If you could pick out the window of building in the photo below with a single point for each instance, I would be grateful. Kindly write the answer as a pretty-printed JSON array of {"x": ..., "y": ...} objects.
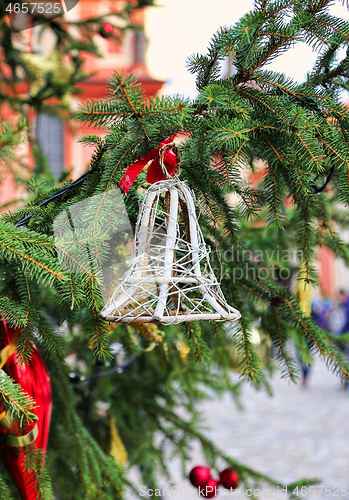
[
  {"x": 49, "y": 133},
  {"x": 140, "y": 47}
]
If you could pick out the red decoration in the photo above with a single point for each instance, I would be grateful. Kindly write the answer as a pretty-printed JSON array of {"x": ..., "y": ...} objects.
[
  {"x": 106, "y": 29},
  {"x": 210, "y": 489},
  {"x": 154, "y": 172},
  {"x": 229, "y": 479},
  {"x": 35, "y": 380},
  {"x": 199, "y": 476}
]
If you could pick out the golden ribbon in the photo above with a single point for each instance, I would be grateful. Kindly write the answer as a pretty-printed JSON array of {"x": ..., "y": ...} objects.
[{"x": 9, "y": 349}]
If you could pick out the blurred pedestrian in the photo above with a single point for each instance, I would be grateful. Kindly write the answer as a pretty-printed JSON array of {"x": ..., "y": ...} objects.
[
  {"x": 320, "y": 310},
  {"x": 337, "y": 316},
  {"x": 344, "y": 301}
]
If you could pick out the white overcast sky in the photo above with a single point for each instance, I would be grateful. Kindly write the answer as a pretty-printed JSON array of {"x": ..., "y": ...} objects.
[{"x": 178, "y": 28}]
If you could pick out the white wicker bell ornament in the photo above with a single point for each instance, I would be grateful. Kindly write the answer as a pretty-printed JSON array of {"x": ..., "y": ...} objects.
[{"x": 170, "y": 279}]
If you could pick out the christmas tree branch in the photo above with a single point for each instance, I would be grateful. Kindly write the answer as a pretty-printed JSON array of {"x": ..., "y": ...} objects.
[{"x": 15, "y": 400}]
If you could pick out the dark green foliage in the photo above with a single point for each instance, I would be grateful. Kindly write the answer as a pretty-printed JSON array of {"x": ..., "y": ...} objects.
[{"x": 300, "y": 132}]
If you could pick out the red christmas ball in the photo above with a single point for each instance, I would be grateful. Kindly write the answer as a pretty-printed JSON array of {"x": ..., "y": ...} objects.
[
  {"x": 210, "y": 489},
  {"x": 106, "y": 29},
  {"x": 199, "y": 476},
  {"x": 229, "y": 479}
]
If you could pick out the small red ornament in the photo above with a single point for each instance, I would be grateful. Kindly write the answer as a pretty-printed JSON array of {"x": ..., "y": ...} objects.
[
  {"x": 106, "y": 29},
  {"x": 229, "y": 479},
  {"x": 35, "y": 381},
  {"x": 210, "y": 489},
  {"x": 199, "y": 476}
]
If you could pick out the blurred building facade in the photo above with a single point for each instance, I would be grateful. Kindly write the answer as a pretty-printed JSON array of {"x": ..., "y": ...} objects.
[{"x": 58, "y": 139}]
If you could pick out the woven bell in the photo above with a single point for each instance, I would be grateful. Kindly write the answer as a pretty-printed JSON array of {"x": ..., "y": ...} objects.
[{"x": 170, "y": 279}]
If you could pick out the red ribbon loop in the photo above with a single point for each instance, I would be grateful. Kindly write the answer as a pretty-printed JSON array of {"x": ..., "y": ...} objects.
[{"x": 154, "y": 172}]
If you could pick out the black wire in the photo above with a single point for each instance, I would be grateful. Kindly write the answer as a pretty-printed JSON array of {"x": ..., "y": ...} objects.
[
  {"x": 116, "y": 369},
  {"x": 308, "y": 102},
  {"x": 317, "y": 189},
  {"x": 57, "y": 194}
]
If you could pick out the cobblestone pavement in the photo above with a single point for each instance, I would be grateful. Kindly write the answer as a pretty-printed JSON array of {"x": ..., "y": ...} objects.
[{"x": 297, "y": 433}]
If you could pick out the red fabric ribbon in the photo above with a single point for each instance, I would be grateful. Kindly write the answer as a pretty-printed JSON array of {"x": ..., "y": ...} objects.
[
  {"x": 154, "y": 172},
  {"x": 35, "y": 381}
]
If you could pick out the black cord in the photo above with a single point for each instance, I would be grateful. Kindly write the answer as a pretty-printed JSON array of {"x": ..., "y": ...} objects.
[
  {"x": 59, "y": 193},
  {"x": 319, "y": 190},
  {"x": 94, "y": 376},
  {"x": 308, "y": 102}
]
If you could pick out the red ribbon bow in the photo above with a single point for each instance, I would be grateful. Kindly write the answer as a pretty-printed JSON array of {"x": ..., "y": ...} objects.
[{"x": 154, "y": 172}]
